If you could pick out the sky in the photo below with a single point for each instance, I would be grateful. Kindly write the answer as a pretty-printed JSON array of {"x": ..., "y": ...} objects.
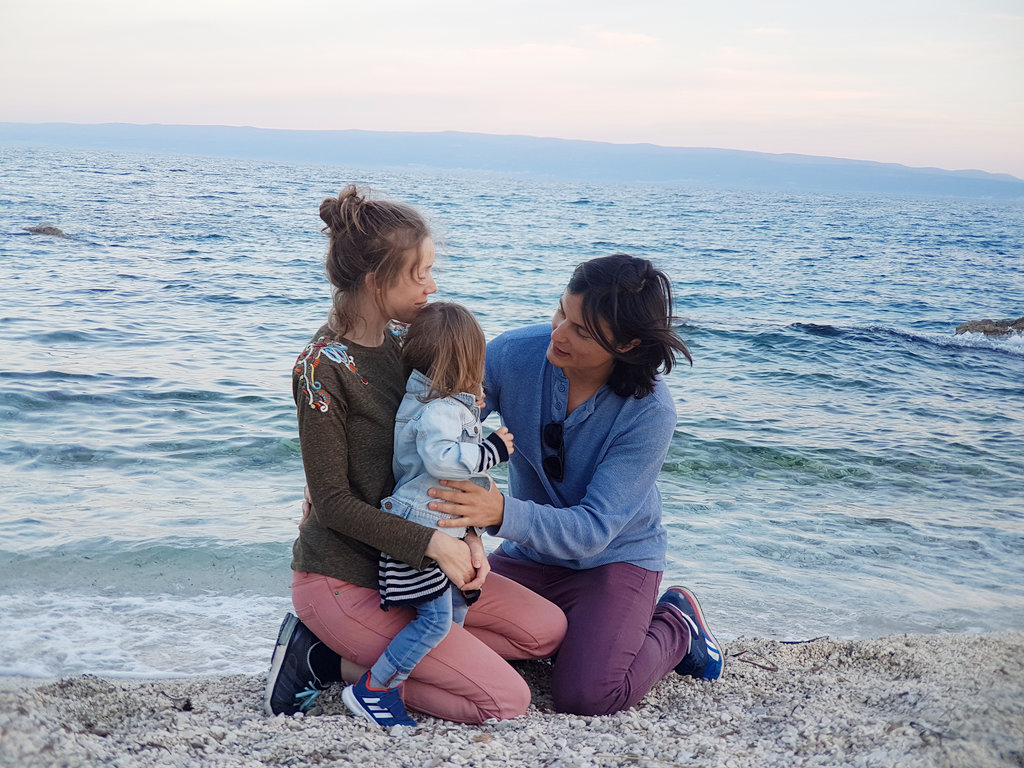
[{"x": 933, "y": 83}]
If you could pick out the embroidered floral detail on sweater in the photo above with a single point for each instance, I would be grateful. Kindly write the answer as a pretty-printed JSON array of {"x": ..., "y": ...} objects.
[
  {"x": 309, "y": 360},
  {"x": 398, "y": 329}
]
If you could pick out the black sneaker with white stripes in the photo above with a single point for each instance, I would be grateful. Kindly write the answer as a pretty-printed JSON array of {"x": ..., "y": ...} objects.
[{"x": 293, "y": 684}]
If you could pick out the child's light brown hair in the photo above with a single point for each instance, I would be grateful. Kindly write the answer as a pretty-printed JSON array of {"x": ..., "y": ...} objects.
[{"x": 446, "y": 344}]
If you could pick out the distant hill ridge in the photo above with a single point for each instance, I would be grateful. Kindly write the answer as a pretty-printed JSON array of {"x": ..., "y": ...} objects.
[{"x": 522, "y": 155}]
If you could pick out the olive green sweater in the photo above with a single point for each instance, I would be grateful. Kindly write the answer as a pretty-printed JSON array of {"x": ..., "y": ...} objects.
[{"x": 347, "y": 396}]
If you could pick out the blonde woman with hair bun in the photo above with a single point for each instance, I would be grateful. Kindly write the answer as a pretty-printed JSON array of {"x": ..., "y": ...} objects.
[{"x": 347, "y": 384}]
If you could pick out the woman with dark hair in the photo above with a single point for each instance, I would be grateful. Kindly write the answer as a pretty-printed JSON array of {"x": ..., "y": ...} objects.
[{"x": 593, "y": 420}]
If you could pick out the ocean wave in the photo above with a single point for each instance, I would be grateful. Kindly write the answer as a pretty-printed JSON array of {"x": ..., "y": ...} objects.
[
  {"x": 220, "y": 454},
  {"x": 817, "y": 329},
  {"x": 62, "y": 386},
  {"x": 724, "y": 460},
  {"x": 56, "y": 634},
  {"x": 1012, "y": 343},
  {"x": 174, "y": 565},
  {"x": 75, "y": 337}
]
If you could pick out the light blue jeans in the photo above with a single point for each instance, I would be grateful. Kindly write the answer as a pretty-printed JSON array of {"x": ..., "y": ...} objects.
[{"x": 419, "y": 637}]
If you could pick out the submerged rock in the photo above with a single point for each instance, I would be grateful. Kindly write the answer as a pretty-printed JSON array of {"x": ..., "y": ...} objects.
[
  {"x": 54, "y": 231},
  {"x": 992, "y": 327}
]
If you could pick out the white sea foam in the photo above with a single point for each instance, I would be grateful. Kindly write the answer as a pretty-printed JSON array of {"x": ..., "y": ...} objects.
[
  {"x": 155, "y": 636},
  {"x": 1011, "y": 342}
]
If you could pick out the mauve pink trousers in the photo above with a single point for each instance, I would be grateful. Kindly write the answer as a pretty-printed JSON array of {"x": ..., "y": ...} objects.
[{"x": 465, "y": 679}]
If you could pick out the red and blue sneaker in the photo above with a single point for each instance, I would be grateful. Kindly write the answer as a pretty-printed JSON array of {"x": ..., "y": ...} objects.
[
  {"x": 381, "y": 706},
  {"x": 705, "y": 659}
]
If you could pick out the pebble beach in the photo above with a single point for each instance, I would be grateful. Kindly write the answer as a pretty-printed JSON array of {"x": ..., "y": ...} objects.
[{"x": 900, "y": 700}]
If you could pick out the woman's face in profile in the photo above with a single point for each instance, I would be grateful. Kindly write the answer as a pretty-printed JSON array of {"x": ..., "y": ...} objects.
[
  {"x": 572, "y": 345},
  {"x": 409, "y": 293}
]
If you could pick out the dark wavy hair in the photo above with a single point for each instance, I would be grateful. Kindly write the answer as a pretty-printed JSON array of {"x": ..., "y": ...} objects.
[{"x": 634, "y": 301}]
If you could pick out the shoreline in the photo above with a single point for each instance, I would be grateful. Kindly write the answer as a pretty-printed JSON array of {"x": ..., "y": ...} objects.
[{"x": 906, "y": 700}]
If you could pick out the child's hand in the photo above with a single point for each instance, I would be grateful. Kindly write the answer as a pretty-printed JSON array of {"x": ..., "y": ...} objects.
[
  {"x": 479, "y": 559},
  {"x": 506, "y": 438}
]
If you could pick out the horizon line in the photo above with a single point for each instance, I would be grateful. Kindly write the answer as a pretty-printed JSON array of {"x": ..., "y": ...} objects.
[{"x": 638, "y": 144}]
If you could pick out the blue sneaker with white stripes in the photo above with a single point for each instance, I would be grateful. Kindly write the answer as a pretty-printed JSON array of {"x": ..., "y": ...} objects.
[
  {"x": 382, "y": 707},
  {"x": 705, "y": 659}
]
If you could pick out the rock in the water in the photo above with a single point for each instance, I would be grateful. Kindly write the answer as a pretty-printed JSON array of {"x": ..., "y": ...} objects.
[
  {"x": 992, "y": 327},
  {"x": 54, "y": 231}
]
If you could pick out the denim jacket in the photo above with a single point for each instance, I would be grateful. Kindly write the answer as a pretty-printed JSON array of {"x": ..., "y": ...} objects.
[{"x": 439, "y": 439}]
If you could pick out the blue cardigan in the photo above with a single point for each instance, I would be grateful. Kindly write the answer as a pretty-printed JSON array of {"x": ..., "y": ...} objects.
[{"x": 608, "y": 508}]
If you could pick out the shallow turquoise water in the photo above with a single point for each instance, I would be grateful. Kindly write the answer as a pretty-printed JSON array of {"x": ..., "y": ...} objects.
[{"x": 843, "y": 464}]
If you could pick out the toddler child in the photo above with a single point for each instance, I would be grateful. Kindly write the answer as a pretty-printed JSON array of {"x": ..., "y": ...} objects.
[{"x": 437, "y": 436}]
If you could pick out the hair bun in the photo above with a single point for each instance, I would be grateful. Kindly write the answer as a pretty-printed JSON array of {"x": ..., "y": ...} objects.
[{"x": 342, "y": 212}]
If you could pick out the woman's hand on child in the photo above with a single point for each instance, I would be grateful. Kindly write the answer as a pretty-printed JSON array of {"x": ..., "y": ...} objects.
[
  {"x": 454, "y": 557},
  {"x": 473, "y": 506},
  {"x": 307, "y": 505}
]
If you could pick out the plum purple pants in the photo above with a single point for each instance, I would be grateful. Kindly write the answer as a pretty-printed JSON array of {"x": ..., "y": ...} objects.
[{"x": 619, "y": 642}]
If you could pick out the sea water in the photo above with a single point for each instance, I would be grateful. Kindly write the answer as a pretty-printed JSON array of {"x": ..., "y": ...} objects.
[{"x": 844, "y": 464}]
